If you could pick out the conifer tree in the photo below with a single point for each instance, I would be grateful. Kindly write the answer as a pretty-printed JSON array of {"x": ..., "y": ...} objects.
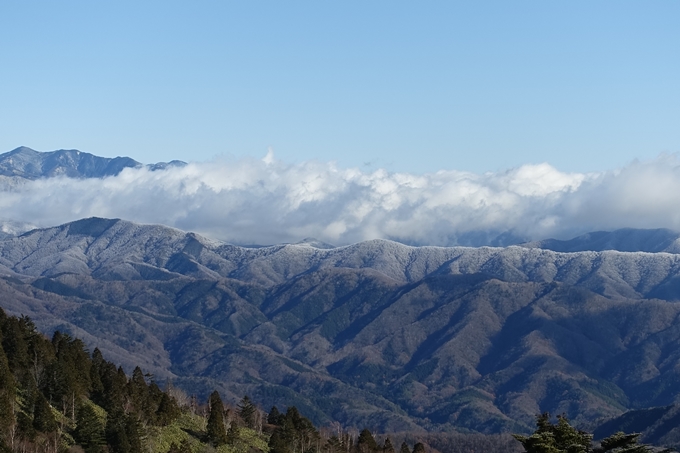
[
  {"x": 43, "y": 419},
  {"x": 133, "y": 432},
  {"x": 366, "y": 442},
  {"x": 274, "y": 417},
  {"x": 388, "y": 447},
  {"x": 233, "y": 434},
  {"x": 419, "y": 448},
  {"x": 168, "y": 410},
  {"x": 404, "y": 448},
  {"x": 217, "y": 434},
  {"x": 89, "y": 431},
  {"x": 116, "y": 435},
  {"x": 7, "y": 398},
  {"x": 622, "y": 443},
  {"x": 246, "y": 410}
]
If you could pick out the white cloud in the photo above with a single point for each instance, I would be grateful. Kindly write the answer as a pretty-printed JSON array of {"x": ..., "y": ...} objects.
[{"x": 268, "y": 201}]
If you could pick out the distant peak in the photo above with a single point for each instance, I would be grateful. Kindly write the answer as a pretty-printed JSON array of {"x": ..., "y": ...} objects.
[{"x": 23, "y": 149}]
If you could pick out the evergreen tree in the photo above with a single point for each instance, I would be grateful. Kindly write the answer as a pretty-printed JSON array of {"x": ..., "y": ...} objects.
[
  {"x": 419, "y": 448},
  {"x": 89, "y": 431},
  {"x": 274, "y": 417},
  {"x": 168, "y": 410},
  {"x": 7, "y": 396},
  {"x": 133, "y": 432},
  {"x": 622, "y": 443},
  {"x": 43, "y": 419},
  {"x": 116, "y": 435},
  {"x": 404, "y": 448},
  {"x": 233, "y": 434},
  {"x": 366, "y": 442},
  {"x": 247, "y": 412},
  {"x": 388, "y": 448},
  {"x": 15, "y": 347},
  {"x": 25, "y": 427},
  {"x": 562, "y": 437},
  {"x": 281, "y": 440},
  {"x": 217, "y": 434},
  {"x": 124, "y": 433}
]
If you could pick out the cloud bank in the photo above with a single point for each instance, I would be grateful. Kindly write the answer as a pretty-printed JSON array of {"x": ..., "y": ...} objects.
[{"x": 267, "y": 201}]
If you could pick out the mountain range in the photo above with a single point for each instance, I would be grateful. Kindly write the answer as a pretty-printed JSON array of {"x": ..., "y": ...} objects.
[
  {"x": 24, "y": 163},
  {"x": 374, "y": 334}
]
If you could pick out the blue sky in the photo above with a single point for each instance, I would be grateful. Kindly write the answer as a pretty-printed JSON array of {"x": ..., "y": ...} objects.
[{"x": 405, "y": 86}]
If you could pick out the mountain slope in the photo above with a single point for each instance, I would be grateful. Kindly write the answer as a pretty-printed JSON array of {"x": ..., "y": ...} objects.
[{"x": 374, "y": 334}]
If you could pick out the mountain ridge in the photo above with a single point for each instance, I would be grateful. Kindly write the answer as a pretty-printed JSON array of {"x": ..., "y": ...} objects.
[
  {"x": 26, "y": 163},
  {"x": 376, "y": 333}
]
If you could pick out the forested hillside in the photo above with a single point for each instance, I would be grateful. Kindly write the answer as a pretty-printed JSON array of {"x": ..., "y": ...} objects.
[
  {"x": 56, "y": 397},
  {"x": 375, "y": 334}
]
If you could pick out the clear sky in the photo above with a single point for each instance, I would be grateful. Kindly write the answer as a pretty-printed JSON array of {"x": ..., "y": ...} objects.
[{"x": 406, "y": 86}]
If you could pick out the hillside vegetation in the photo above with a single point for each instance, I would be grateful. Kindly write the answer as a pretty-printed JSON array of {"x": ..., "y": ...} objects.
[{"x": 56, "y": 397}]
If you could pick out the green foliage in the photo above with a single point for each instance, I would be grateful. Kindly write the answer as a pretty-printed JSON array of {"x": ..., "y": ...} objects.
[
  {"x": 366, "y": 442},
  {"x": 388, "y": 447},
  {"x": 43, "y": 419},
  {"x": 89, "y": 432},
  {"x": 275, "y": 417},
  {"x": 247, "y": 412},
  {"x": 216, "y": 431},
  {"x": 561, "y": 437},
  {"x": 404, "y": 448},
  {"x": 295, "y": 432},
  {"x": 419, "y": 448},
  {"x": 183, "y": 447},
  {"x": 622, "y": 443},
  {"x": 233, "y": 434},
  {"x": 168, "y": 410},
  {"x": 98, "y": 408}
]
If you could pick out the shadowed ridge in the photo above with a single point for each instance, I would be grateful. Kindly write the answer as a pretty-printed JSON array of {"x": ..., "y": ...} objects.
[
  {"x": 93, "y": 226},
  {"x": 622, "y": 240}
]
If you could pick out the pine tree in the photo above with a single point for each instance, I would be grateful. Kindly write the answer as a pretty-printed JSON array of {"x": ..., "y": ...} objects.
[
  {"x": 217, "y": 434},
  {"x": 622, "y": 443},
  {"x": 388, "y": 448},
  {"x": 7, "y": 397},
  {"x": 561, "y": 436},
  {"x": 133, "y": 432},
  {"x": 246, "y": 410},
  {"x": 116, "y": 435},
  {"x": 43, "y": 419},
  {"x": 89, "y": 431},
  {"x": 419, "y": 448},
  {"x": 404, "y": 448},
  {"x": 366, "y": 442},
  {"x": 274, "y": 417},
  {"x": 168, "y": 410},
  {"x": 234, "y": 433}
]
